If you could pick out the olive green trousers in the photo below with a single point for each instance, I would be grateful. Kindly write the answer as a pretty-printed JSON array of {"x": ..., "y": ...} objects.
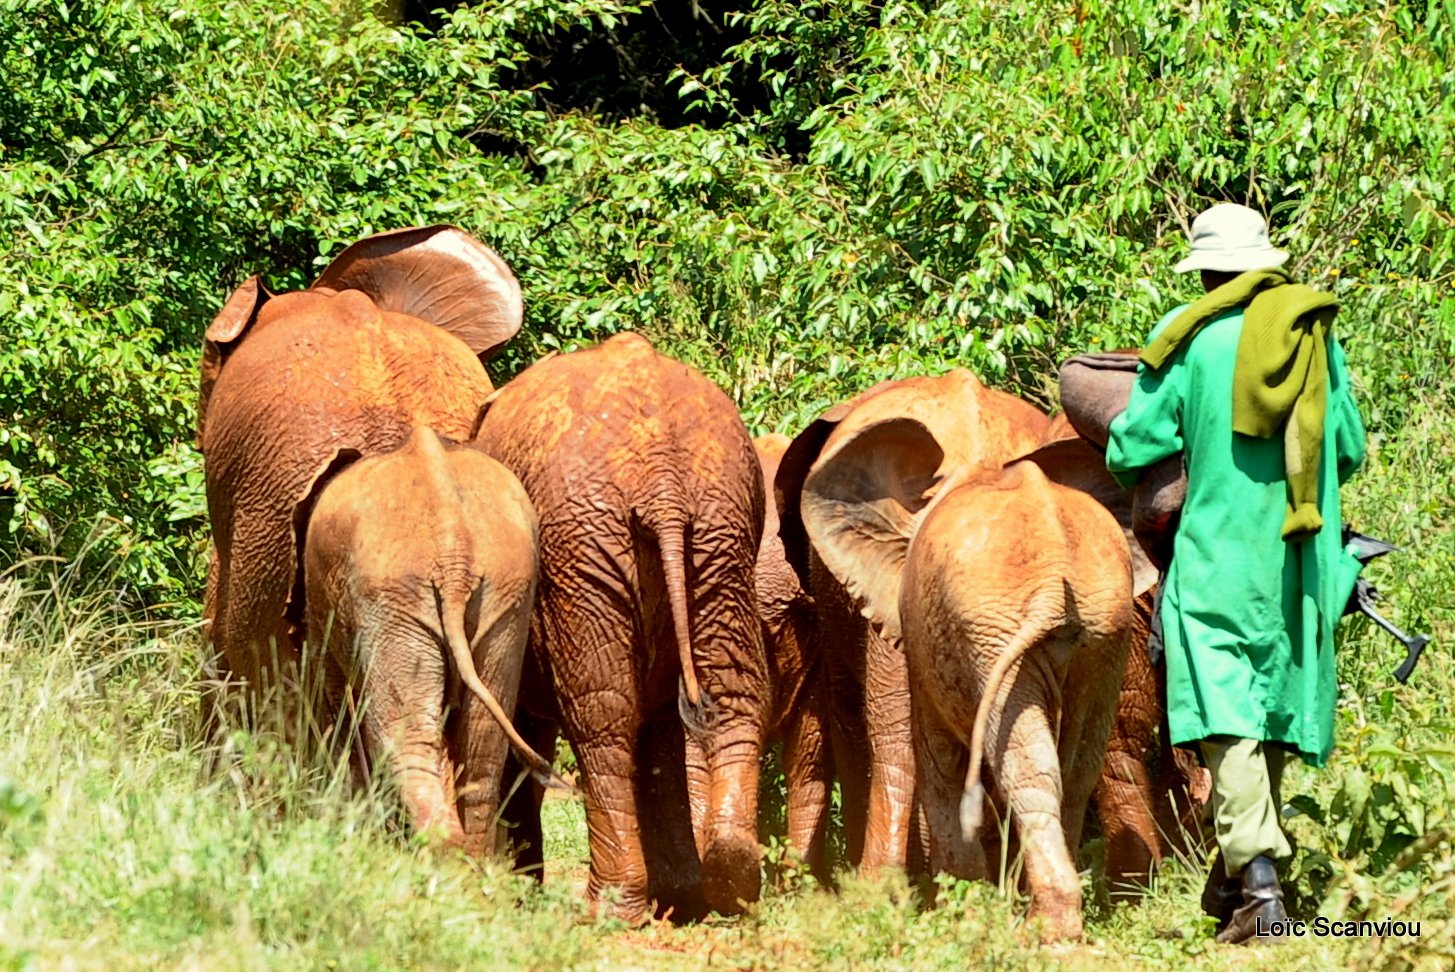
[{"x": 1245, "y": 799}]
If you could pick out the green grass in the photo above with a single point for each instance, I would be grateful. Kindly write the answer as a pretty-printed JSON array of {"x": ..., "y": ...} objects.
[{"x": 117, "y": 851}]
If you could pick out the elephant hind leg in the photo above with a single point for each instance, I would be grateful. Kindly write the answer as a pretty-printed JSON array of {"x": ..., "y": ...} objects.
[
  {"x": 728, "y": 652},
  {"x": 251, "y": 666},
  {"x": 1025, "y": 762},
  {"x": 942, "y": 763},
  {"x": 597, "y": 691},
  {"x": 666, "y": 758},
  {"x": 890, "y": 812},
  {"x": 404, "y": 729},
  {"x": 424, "y": 775},
  {"x": 807, "y": 769},
  {"x": 1126, "y": 800},
  {"x": 1131, "y": 833}
]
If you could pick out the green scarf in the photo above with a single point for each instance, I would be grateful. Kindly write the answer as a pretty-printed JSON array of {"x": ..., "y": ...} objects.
[{"x": 1281, "y": 378}]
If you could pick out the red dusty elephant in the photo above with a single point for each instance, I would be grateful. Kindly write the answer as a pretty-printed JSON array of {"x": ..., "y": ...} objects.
[
  {"x": 866, "y": 676},
  {"x": 646, "y": 645},
  {"x": 1150, "y": 797},
  {"x": 798, "y": 718},
  {"x": 1148, "y": 794},
  {"x": 1011, "y": 596},
  {"x": 420, "y": 573},
  {"x": 299, "y": 384}
]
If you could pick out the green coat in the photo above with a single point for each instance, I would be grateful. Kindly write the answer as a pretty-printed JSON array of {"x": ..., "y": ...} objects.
[{"x": 1248, "y": 618}]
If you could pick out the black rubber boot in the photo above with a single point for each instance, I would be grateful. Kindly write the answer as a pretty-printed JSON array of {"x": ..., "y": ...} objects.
[
  {"x": 1262, "y": 906},
  {"x": 1221, "y": 895}
]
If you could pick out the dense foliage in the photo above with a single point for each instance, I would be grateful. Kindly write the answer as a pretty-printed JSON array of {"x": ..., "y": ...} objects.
[{"x": 875, "y": 189}]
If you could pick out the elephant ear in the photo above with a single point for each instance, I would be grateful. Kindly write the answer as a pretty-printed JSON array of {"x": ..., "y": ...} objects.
[
  {"x": 974, "y": 425},
  {"x": 861, "y": 504},
  {"x": 1076, "y": 463},
  {"x": 793, "y": 469},
  {"x": 438, "y": 274},
  {"x": 328, "y": 467},
  {"x": 223, "y": 334}
]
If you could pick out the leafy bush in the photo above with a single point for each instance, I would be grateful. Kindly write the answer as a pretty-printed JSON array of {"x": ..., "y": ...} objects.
[
  {"x": 151, "y": 156},
  {"x": 987, "y": 185}
]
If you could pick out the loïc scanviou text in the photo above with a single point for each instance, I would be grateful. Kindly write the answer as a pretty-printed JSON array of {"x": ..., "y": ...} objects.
[{"x": 1327, "y": 928}]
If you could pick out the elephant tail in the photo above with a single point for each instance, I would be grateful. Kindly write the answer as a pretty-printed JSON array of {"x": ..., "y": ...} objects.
[
  {"x": 539, "y": 766},
  {"x": 694, "y": 705},
  {"x": 972, "y": 804}
]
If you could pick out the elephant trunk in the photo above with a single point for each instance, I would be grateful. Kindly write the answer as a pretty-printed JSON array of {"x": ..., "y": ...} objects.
[
  {"x": 1026, "y": 637},
  {"x": 453, "y": 617},
  {"x": 694, "y": 705}
]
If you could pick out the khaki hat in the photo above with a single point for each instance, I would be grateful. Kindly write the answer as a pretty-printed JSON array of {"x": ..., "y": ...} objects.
[{"x": 1232, "y": 239}]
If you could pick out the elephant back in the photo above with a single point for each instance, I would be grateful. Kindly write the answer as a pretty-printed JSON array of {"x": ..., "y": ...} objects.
[
  {"x": 319, "y": 382},
  {"x": 973, "y": 425},
  {"x": 1073, "y": 462},
  {"x": 426, "y": 510},
  {"x": 332, "y": 371},
  {"x": 621, "y": 426},
  {"x": 438, "y": 275},
  {"x": 1012, "y": 532}
]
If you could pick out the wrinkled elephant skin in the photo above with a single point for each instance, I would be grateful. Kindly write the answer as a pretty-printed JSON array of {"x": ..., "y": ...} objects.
[
  {"x": 1012, "y": 598},
  {"x": 299, "y": 385},
  {"x": 866, "y": 674},
  {"x": 420, "y": 572},
  {"x": 1015, "y": 614},
  {"x": 651, "y": 508},
  {"x": 798, "y": 718}
]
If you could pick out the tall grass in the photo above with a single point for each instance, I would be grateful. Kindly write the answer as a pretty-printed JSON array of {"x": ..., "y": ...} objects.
[{"x": 117, "y": 850}]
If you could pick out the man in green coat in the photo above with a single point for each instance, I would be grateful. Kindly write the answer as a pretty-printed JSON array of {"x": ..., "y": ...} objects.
[{"x": 1250, "y": 386}]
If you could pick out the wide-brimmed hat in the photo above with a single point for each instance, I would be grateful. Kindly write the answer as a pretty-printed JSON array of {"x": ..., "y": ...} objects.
[{"x": 1232, "y": 239}]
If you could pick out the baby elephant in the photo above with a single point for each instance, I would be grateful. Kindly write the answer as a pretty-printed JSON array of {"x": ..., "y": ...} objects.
[
  {"x": 1016, "y": 612},
  {"x": 419, "y": 569}
]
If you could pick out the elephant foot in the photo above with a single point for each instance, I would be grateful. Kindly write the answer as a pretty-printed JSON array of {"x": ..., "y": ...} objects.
[
  {"x": 1131, "y": 859},
  {"x": 730, "y": 876},
  {"x": 1059, "y": 914},
  {"x": 614, "y": 902},
  {"x": 441, "y": 831}
]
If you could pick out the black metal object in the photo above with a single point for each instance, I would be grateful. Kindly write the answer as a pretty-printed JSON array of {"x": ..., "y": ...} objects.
[{"x": 1365, "y": 549}]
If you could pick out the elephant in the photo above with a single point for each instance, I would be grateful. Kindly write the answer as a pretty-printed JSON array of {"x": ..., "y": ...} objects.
[
  {"x": 1147, "y": 811},
  {"x": 865, "y": 675},
  {"x": 419, "y": 567},
  {"x": 978, "y": 570},
  {"x": 646, "y": 648},
  {"x": 389, "y": 337},
  {"x": 798, "y": 717},
  {"x": 1150, "y": 795}
]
